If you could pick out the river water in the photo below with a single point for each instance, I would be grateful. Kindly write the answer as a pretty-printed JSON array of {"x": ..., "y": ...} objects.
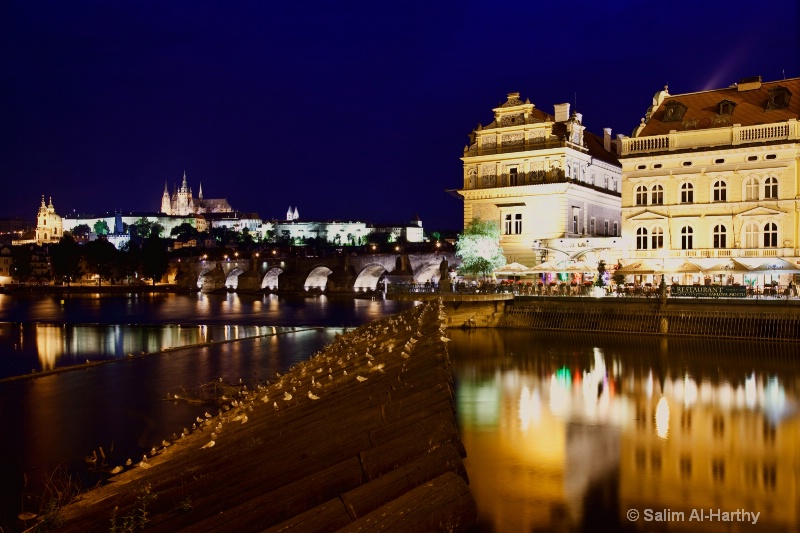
[{"x": 564, "y": 432}]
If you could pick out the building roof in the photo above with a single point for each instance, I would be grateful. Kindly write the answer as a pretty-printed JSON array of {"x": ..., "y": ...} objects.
[
  {"x": 594, "y": 144},
  {"x": 751, "y": 107}
]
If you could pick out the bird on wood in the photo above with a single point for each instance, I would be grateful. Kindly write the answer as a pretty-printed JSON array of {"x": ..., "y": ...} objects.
[
  {"x": 444, "y": 339},
  {"x": 313, "y": 396},
  {"x": 265, "y": 399},
  {"x": 275, "y": 405},
  {"x": 153, "y": 450},
  {"x": 287, "y": 396},
  {"x": 128, "y": 462},
  {"x": 164, "y": 443},
  {"x": 244, "y": 419},
  {"x": 361, "y": 378},
  {"x": 208, "y": 415},
  {"x": 209, "y": 444}
]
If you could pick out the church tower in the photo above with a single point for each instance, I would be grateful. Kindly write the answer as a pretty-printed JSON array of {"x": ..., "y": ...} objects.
[
  {"x": 49, "y": 228},
  {"x": 166, "y": 204}
]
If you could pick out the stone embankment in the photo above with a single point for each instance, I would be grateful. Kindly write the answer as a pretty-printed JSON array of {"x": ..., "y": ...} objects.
[{"x": 361, "y": 437}]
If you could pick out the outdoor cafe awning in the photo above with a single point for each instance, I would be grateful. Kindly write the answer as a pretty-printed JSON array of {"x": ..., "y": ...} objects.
[
  {"x": 639, "y": 267},
  {"x": 776, "y": 265},
  {"x": 687, "y": 267},
  {"x": 511, "y": 268}
]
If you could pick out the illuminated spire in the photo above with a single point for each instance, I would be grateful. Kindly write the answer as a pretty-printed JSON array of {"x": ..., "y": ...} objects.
[{"x": 200, "y": 192}]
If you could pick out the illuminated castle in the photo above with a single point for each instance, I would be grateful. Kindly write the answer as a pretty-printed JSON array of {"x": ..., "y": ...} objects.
[{"x": 182, "y": 202}]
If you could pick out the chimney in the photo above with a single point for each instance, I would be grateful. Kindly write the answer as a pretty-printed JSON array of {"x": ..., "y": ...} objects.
[
  {"x": 748, "y": 84},
  {"x": 607, "y": 139},
  {"x": 562, "y": 112}
]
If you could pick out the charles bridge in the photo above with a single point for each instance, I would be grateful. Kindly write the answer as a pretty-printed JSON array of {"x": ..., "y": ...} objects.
[{"x": 344, "y": 273}]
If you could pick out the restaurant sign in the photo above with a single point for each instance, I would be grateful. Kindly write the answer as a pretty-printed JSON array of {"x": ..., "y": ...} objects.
[{"x": 709, "y": 291}]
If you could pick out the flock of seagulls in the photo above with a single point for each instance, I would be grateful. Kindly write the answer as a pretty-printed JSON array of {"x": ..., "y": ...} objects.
[{"x": 362, "y": 351}]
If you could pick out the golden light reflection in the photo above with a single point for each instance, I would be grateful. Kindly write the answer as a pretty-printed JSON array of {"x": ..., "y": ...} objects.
[{"x": 662, "y": 418}]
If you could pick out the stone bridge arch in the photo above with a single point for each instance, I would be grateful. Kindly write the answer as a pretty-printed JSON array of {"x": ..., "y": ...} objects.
[
  {"x": 317, "y": 278},
  {"x": 232, "y": 279},
  {"x": 367, "y": 278},
  {"x": 271, "y": 277}
]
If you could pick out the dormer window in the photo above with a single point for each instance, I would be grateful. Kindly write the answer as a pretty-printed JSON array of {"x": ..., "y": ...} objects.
[
  {"x": 725, "y": 107},
  {"x": 673, "y": 111},
  {"x": 779, "y": 98}
]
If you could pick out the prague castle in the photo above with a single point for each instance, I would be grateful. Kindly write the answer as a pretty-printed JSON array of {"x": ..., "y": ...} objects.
[{"x": 182, "y": 202}]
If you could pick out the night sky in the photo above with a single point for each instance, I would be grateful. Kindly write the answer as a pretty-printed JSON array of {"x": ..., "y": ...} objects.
[{"x": 350, "y": 111}]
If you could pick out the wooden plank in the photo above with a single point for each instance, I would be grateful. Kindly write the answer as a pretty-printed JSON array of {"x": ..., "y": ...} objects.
[
  {"x": 325, "y": 518},
  {"x": 442, "y": 504},
  {"x": 370, "y": 496}
]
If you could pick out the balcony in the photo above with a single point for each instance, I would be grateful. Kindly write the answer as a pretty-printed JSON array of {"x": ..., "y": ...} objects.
[
  {"x": 532, "y": 144},
  {"x": 707, "y": 137},
  {"x": 723, "y": 253}
]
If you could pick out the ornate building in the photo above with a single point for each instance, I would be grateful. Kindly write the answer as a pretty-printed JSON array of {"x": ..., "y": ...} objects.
[
  {"x": 182, "y": 202},
  {"x": 550, "y": 184},
  {"x": 48, "y": 224},
  {"x": 712, "y": 178}
]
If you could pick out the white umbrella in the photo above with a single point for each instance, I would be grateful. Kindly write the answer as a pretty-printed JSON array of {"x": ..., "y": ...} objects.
[{"x": 511, "y": 268}]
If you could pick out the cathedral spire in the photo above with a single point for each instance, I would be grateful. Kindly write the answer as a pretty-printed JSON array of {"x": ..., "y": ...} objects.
[{"x": 200, "y": 192}]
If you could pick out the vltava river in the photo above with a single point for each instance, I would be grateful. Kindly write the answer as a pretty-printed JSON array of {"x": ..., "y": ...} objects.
[{"x": 563, "y": 432}]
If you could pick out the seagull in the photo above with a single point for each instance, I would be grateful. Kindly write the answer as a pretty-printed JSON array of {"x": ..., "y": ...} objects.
[
  {"x": 404, "y": 355},
  {"x": 207, "y": 445},
  {"x": 361, "y": 378},
  {"x": 275, "y": 405},
  {"x": 116, "y": 470},
  {"x": 199, "y": 420},
  {"x": 128, "y": 462},
  {"x": 313, "y": 396},
  {"x": 444, "y": 339},
  {"x": 153, "y": 450},
  {"x": 287, "y": 396},
  {"x": 208, "y": 415},
  {"x": 244, "y": 419},
  {"x": 164, "y": 443},
  {"x": 265, "y": 399}
]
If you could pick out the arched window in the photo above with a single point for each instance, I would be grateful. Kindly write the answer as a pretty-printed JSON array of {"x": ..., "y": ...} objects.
[
  {"x": 657, "y": 239},
  {"x": 751, "y": 189},
  {"x": 657, "y": 195},
  {"x": 771, "y": 188},
  {"x": 751, "y": 235},
  {"x": 641, "y": 195},
  {"x": 687, "y": 238},
  {"x": 641, "y": 239},
  {"x": 687, "y": 193},
  {"x": 720, "y": 236},
  {"x": 770, "y": 235},
  {"x": 720, "y": 191}
]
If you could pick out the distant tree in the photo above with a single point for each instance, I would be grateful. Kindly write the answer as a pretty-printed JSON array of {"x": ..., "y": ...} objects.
[
  {"x": 81, "y": 230},
  {"x": 101, "y": 258},
  {"x": 66, "y": 257},
  {"x": 479, "y": 247},
  {"x": 155, "y": 259},
  {"x": 21, "y": 263},
  {"x": 101, "y": 227},
  {"x": 128, "y": 261},
  {"x": 145, "y": 228},
  {"x": 436, "y": 236},
  {"x": 184, "y": 230}
]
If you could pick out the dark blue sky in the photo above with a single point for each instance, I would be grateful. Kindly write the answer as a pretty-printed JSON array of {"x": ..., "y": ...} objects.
[{"x": 346, "y": 110}]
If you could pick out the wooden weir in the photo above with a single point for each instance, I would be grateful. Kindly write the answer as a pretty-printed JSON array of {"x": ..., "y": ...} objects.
[{"x": 367, "y": 442}]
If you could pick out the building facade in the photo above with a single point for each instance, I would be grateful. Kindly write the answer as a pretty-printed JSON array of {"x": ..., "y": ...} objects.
[
  {"x": 545, "y": 179},
  {"x": 182, "y": 202},
  {"x": 712, "y": 176},
  {"x": 49, "y": 228}
]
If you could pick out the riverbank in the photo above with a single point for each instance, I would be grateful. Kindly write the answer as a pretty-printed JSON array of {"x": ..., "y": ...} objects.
[{"x": 363, "y": 435}]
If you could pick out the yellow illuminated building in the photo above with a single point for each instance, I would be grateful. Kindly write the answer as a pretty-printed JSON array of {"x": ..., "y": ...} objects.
[
  {"x": 547, "y": 181},
  {"x": 48, "y": 224},
  {"x": 712, "y": 178}
]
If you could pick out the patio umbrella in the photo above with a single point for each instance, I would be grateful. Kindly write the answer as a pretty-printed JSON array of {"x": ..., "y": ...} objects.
[
  {"x": 511, "y": 268},
  {"x": 639, "y": 267},
  {"x": 777, "y": 265},
  {"x": 686, "y": 268},
  {"x": 732, "y": 266},
  {"x": 547, "y": 266},
  {"x": 578, "y": 266}
]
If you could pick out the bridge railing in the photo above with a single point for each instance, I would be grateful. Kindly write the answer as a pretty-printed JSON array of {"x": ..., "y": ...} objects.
[{"x": 435, "y": 288}]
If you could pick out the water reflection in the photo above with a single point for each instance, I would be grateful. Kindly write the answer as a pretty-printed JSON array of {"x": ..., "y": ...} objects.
[{"x": 563, "y": 430}]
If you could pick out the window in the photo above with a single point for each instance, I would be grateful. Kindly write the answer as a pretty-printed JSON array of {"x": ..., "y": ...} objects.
[
  {"x": 752, "y": 157},
  {"x": 605, "y": 227},
  {"x": 751, "y": 235},
  {"x": 779, "y": 98},
  {"x": 771, "y": 156},
  {"x": 641, "y": 167},
  {"x": 507, "y": 225},
  {"x": 657, "y": 195},
  {"x": 687, "y": 237},
  {"x": 771, "y": 235},
  {"x": 641, "y": 238},
  {"x": 592, "y": 227},
  {"x": 687, "y": 163},
  {"x": 687, "y": 193},
  {"x": 751, "y": 189},
  {"x": 725, "y": 107},
  {"x": 657, "y": 240},
  {"x": 718, "y": 469},
  {"x": 771, "y": 188},
  {"x": 673, "y": 111},
  {"x": 719, "y": 161},
  {"x": 657, "y": 165},
  {"x": 574, "y": 223},
  {"x": 720, "y": 191},
  {"x": 641, "y": 195},
  {"x": 720, "y": 236},
  {"x": 605, "y": 184},
  {"x": 518, "y": 223},
  {"x": 512, "y": 177},
  {"x": 615, "y": 234}
]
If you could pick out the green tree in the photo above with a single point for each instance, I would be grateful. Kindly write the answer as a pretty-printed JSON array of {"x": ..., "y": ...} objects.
[
  {"x": 81, "y": 230},
  {"x": 479, "y": 247},
  {"x": 600, "y": 281},
  {"x": 101, "y": 258},
  {"x": 101, "y": 227},
  {"x": 155, "y": 260},
  {"x": 184, "y": 230},
  {"x": 66, "y": 256},
  {"x": 146, "y": 228}
]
